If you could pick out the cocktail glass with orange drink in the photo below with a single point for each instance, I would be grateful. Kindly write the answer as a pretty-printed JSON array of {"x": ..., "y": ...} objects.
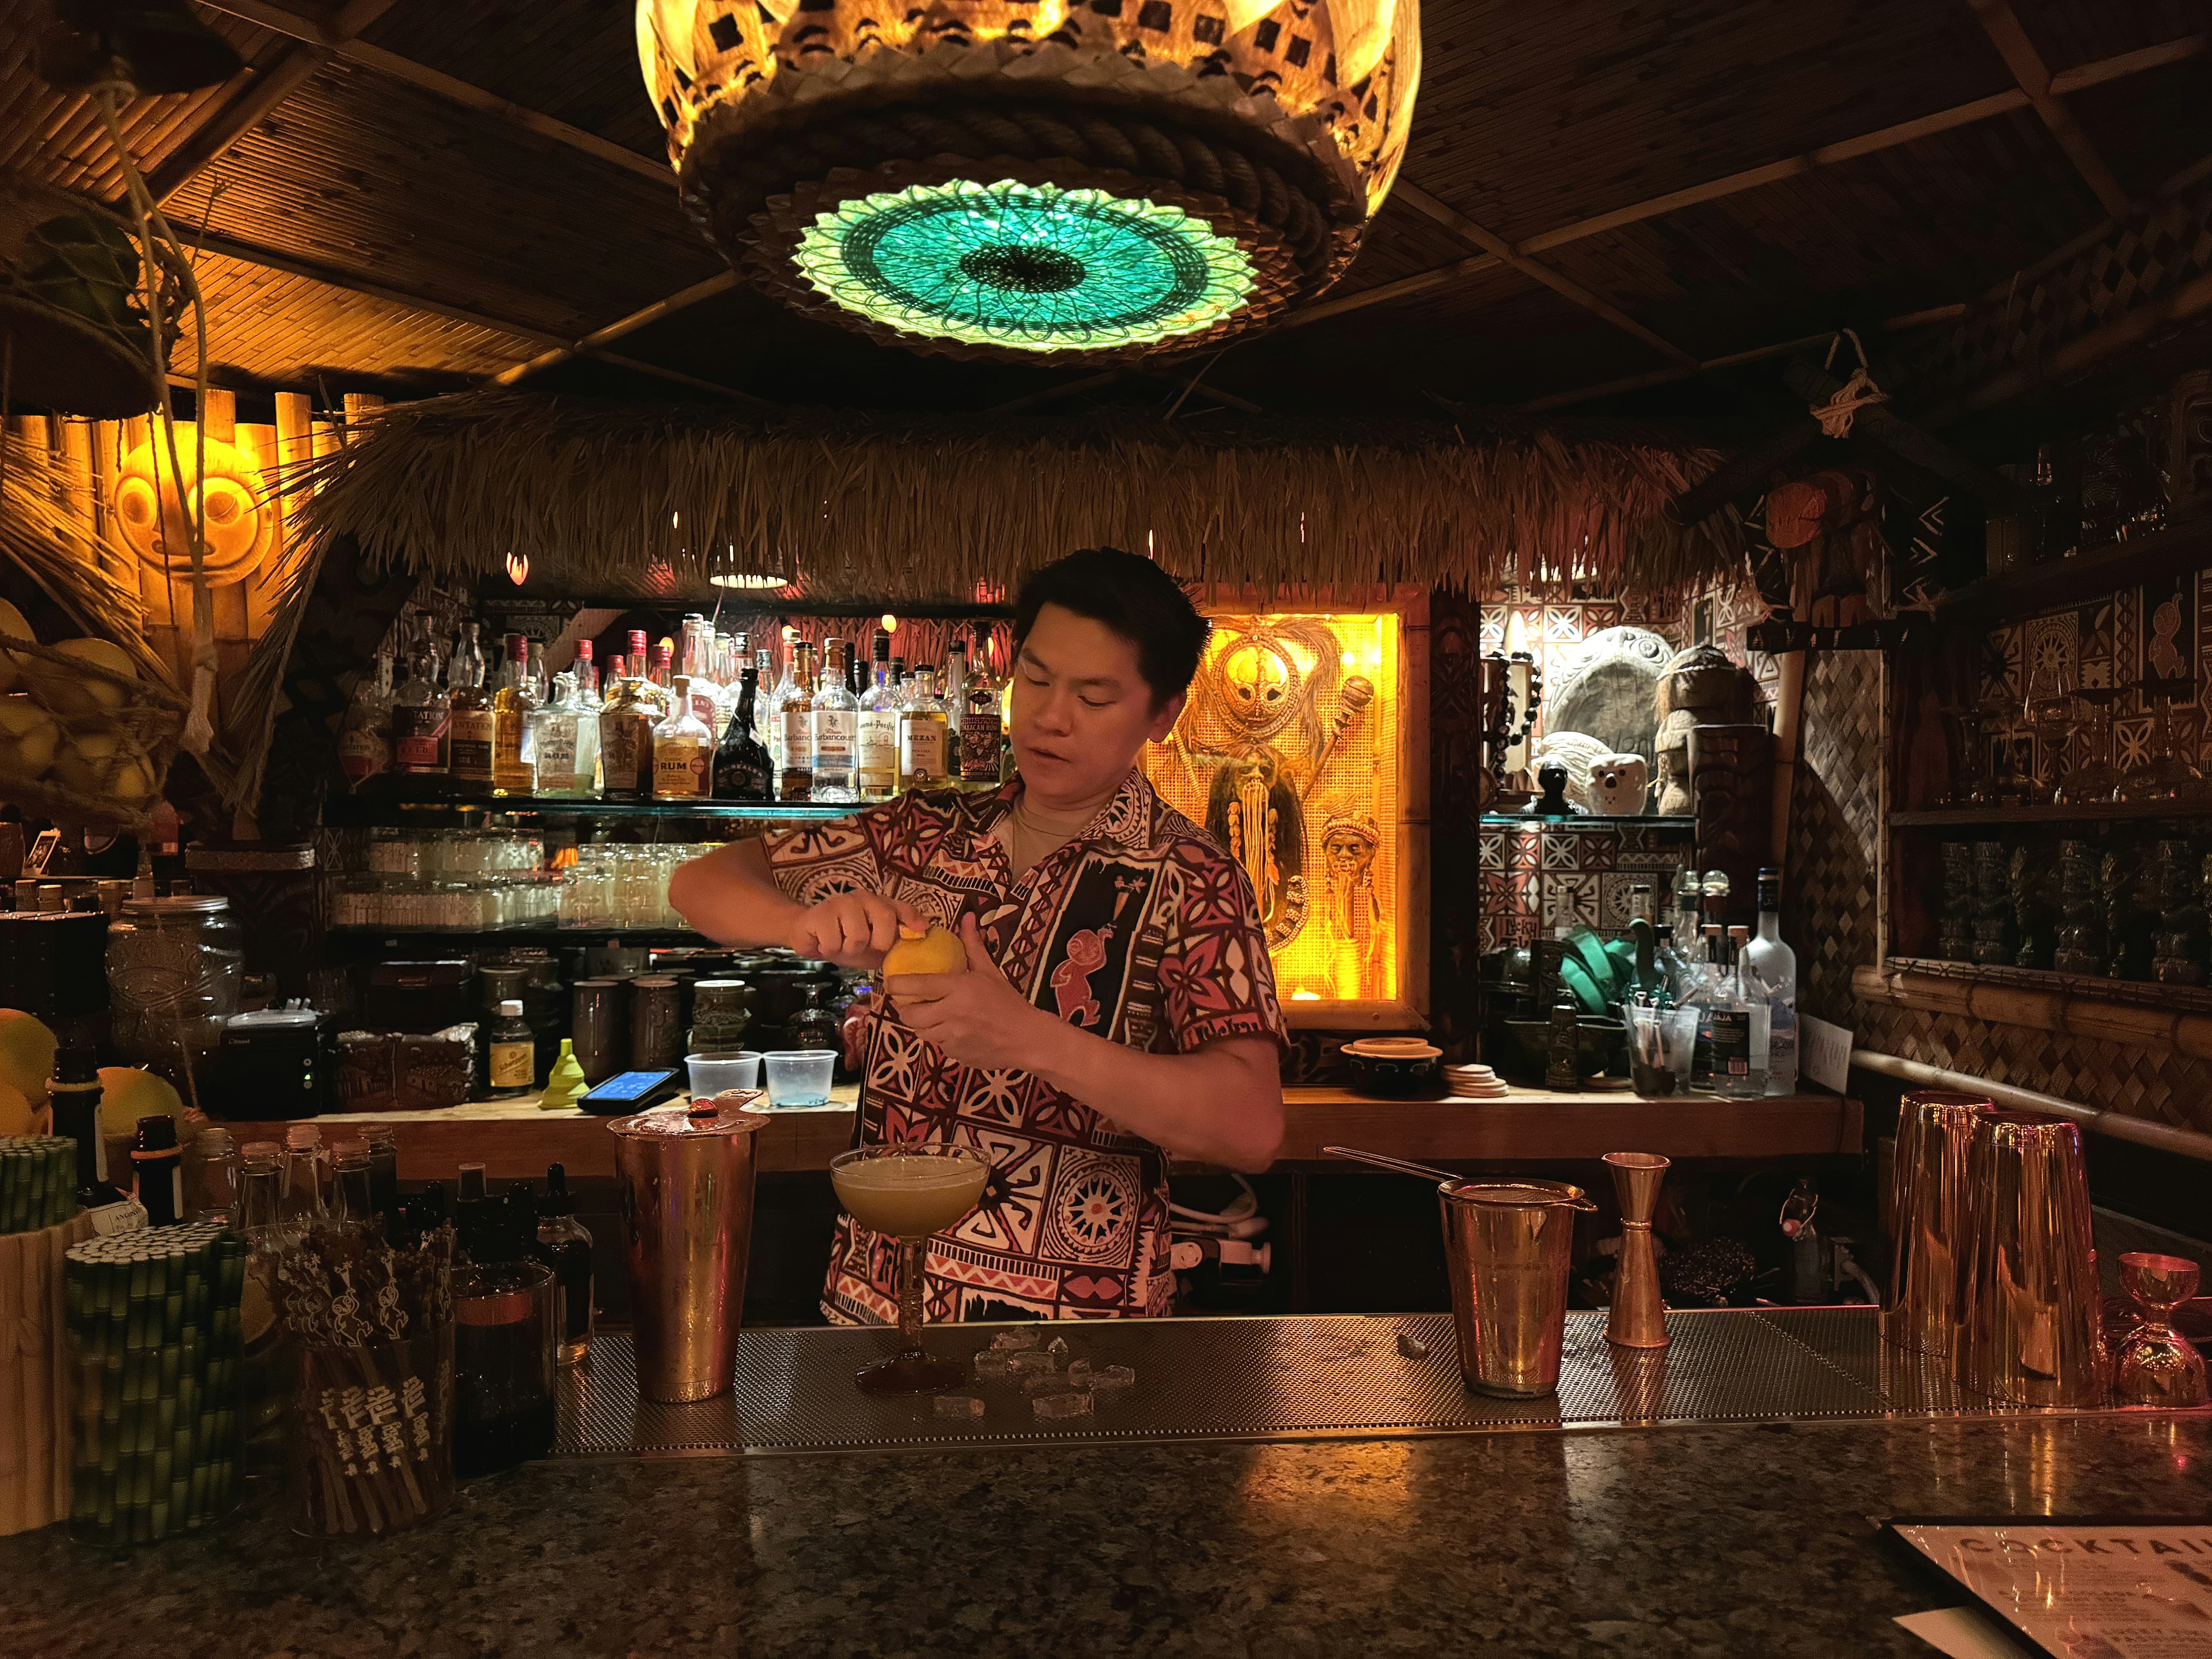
[{"x": 909, "y": 1193}]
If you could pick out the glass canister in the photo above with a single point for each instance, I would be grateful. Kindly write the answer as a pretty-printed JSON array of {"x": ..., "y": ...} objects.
[{"x": 173, "y": 971}]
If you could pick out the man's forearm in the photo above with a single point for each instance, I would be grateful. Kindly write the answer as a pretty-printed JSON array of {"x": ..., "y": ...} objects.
[
  {"x": 1214, "y": 1106},
  {"x": 728, "y": 895}
]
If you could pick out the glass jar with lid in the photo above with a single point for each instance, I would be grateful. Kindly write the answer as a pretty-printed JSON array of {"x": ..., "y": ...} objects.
[{"x": 174, "y": 971}]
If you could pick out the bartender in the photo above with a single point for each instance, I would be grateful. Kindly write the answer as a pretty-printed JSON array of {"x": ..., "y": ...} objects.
[{"x": 1118, "y": 1006}]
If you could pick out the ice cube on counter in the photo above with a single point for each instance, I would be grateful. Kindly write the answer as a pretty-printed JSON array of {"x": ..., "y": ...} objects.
[
  {"x": 1058, "y": 1349},
  {"x": 1027, "y": 1364},
  {"x": 1022, "y": 1336},
  {"x": 990, "y": 1365},
  {"x": 1078, "y": 1373},
  {"x": 1110, "y": 1377},
  {"x": 958, "y": 1405},
  {"x": 1061, "y": 1405}
]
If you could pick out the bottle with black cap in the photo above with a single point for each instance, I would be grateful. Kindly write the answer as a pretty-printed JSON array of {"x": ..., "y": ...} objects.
[
  {"x": 160, "y": 1163},
  {"x": 75, "y": 1093},
  {"x": 565, "y": 1245},
  {"x": 503, "y": 1334}
]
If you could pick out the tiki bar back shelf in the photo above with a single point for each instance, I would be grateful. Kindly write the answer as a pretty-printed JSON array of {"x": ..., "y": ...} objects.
[{"x": 1153, "y": 828}]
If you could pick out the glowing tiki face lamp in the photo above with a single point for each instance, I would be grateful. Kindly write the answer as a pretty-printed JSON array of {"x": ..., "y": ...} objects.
[
  {"x": 992, "y": 178},
  {"x": 155, "y": 516}
]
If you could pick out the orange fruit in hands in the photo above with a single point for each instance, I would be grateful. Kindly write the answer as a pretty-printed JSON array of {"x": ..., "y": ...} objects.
[{"x": 939, "y": 950}]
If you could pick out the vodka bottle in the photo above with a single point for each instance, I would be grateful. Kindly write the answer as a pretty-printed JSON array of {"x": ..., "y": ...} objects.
[
  {"x": 468, "y": 729},
  {"x": 1700, "y": 990},
  {"x": 682, "y": 749},
  {"x": 420, "y": 713},
  {"x": 980, "y": 734},
  {"x": 365, "y": 738},
  {"x": 743, "y": 770},
  {"x": 797, "y": 779},
  {"x": 1775, "y": 965},
  {"x": 512, "y": 771},
  {"x": 555, "y": 756},
  {"x": 921, "y": 737},
  {"x": 879, "y": 730},
  {"x": 836, "y": 729},
  {"x": 952, "y": 696},
  {"x": 767, "y": 710},
  {"x": 1739, "y": 1016}
]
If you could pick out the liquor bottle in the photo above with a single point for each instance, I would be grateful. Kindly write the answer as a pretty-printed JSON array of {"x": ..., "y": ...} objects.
[
  {"x": 75, "y": 1093},
  {"x": 1740, "y": 1027},
  {"x": 879, "y": 735},
  {"x": 742, "y": 768},
  {"x": 541, "y": 681},
  {"x": 159, "y": 1163},
  {"x": 921, "y": 737},
  {"x": 587, "y": 675},
  {"x": 1700, "y": 989},
  {"x": 587, "y": 741},
  {"x": 797, "y": 781},
  {"x": 663, "y": 672},
  {"x": 767, "y": 709},
  {"x": 469, "y": 729},
  {"x": 1775, "y": 965},
  {"x": 513, "y": 1049},
  {"x": 682, "y": 751},
  {"x": 836, "y": 729},
  {"x": 565, "y": 1246},
  {"x": 420, "y": 713},
  {"x": 952, "y": 695},
  {"x": 626, "y": 722},
  {"x": 512, "y": 774},
  {"x": 981, "y": 737},
  {"x": 365, "y": 738},
  {"x": 558, "y": 765}
]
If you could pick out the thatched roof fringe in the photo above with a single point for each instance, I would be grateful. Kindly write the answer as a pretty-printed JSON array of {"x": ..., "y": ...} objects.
[{"x": 630, "y": 499}]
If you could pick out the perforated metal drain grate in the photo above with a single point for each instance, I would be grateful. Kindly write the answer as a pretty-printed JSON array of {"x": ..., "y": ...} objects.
[{"x": 1267, "y": 1379}]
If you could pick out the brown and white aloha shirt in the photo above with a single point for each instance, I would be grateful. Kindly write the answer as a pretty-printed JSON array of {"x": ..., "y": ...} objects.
[{"x": 1139, "y": 929}]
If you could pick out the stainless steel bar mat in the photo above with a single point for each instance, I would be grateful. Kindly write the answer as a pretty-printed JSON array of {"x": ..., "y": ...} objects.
[{"x": 1266, "y": 1379}]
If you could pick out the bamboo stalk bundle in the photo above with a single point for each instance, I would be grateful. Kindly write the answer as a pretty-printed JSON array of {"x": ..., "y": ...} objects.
[
  {"x": 152, "y": 1320},
  {"x": 658, "y": 501},
  {"x": 37, "y": 1181},
  {"x": 34, "y": 1466}
]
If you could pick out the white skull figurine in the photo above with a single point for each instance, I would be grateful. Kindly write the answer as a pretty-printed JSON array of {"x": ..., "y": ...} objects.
[{"x": 1618, "y": 785}]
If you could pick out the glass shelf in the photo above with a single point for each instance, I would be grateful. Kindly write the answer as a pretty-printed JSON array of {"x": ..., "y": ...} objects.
[
  {"x": 1973, "y": 817},
  {"x": 379, "y": 810}
]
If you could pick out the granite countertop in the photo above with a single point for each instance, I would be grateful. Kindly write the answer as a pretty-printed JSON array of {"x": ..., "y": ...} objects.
[{"x": 1734, "y": 1540}]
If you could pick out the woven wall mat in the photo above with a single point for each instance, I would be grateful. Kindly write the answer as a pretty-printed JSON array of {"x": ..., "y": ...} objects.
[{"x": 1835, "y": 831}]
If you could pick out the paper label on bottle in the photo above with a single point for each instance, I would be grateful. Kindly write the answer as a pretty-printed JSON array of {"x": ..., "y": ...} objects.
[
  {"x": 362, "y": 752},
  {"x": 557, "y": 754},
  {"x": 623, "y": 750},
  {"x": 1732, "y": 1043},
  {"x": 1824, "y": 1053},
  {"x": 109, "y": 1219},
  {"x": 418, "y": 737},
  {"x": 979, "y": 747},
  {"x": 470, "y": 744},
  {"x": 680, "y": 768},
  {"x": 879, "y": 741},
  {"x": 514, "y": 1065},
  {"x": 921, "y": 752},
  {"x": 797, "y": 739},
  {"x": 836, "y": 733}
]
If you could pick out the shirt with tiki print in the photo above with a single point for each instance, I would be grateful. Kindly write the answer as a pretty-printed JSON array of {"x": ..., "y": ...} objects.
[{"x": 1139, "y": 929}]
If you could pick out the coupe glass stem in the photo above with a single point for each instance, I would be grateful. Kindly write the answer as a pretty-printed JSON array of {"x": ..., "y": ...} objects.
[{"x": 911, "y": 1253}]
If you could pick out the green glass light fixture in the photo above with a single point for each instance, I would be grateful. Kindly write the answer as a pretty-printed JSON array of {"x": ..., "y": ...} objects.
[
  {"x": 1026, "y": 267},
  {"x": 1036, "y": 179}
]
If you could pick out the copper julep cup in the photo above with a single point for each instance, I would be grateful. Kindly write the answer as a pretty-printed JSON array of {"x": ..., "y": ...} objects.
[
  {"x": 1508, "y": 1245},
  {"x": 687, "y": 1207},
  {"x": 2031, "y": 1327},
  {"x": 1638, "y": 1317},
  {"x": 1928, "y": 1218},
  {"x": 2157, "y": 1365}
]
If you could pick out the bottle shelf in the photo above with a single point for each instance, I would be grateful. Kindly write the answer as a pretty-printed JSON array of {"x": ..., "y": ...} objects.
[
  {"x": 1972, "y": 818},
  {"x": 380, "y": 811},
  {"x": 527, "y": 935}
]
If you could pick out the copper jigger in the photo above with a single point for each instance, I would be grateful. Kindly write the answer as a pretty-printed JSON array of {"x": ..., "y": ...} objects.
[
  {"x": 1928, "y": 1212},
  {"x": 2031, "y": 1327},
  {"x": 2157, "y": 1365},
  {"x": 687, "y": 1207},
  {"x": 1637, "y": 1318}
]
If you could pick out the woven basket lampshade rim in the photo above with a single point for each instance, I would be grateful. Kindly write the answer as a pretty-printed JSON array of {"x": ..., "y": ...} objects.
[{"x": 70, "y": 365}]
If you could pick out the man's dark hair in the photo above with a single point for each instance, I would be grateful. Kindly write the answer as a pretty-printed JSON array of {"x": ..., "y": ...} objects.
[{"x": 1134, "y": 598}]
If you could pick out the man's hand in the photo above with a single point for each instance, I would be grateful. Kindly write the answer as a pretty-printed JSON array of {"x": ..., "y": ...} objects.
[
  {"x": 853, "y": 930},
  {"x": 977, "y": 1018}
]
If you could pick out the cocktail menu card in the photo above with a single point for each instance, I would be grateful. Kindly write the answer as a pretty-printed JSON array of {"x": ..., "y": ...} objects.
[{"x": 2083, "y": 1589}]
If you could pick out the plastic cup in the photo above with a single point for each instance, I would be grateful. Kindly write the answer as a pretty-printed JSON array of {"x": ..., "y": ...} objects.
[
  {"x": 799, "y": 1077},
  {"x": 712, "y": 1073}
]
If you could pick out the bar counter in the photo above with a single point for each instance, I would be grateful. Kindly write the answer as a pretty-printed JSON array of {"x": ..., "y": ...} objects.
[
  {"x": 516, "y": 1139},
  {"x": 1750, "y": 1535}
]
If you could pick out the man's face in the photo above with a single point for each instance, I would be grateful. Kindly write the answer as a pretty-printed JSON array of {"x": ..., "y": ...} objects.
[{"x": 1081, "y": 708}]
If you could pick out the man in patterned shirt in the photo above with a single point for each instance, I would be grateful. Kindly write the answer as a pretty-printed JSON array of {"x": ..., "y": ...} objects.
[{"x": 1118, "y": 1006}]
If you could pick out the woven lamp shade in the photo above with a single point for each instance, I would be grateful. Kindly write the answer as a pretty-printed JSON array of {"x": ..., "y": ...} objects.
[{"x": 1033, "y": 179}]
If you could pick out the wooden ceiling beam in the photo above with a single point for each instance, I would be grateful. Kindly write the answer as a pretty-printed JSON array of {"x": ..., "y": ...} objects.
[
  {"x": 1505, "y": 252},
  {"x": 721, "y": 282},
  {"x": 337, "y": 43},
  {"x": 1903, "y": 132},
  {"x": 2032, "y": 75},
  {"x": 257, "y": 92}
]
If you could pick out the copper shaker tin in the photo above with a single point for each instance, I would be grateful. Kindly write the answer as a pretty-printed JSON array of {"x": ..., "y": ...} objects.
[
  {"x": 686, "y": 1174},
  {"x": 1928, "y": 1218},
  {"x": 1508, "y": 1245}
]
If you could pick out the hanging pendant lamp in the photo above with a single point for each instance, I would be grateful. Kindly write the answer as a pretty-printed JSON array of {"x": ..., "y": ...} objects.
[{"x": 1056, "y": 181}]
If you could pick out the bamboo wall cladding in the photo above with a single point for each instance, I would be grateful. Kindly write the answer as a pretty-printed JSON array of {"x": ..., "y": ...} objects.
[{"x": 1830, "y": 897}]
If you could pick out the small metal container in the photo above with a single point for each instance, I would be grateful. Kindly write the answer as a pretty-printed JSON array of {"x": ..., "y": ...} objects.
[
  {"x": 1508, "y": 1245},
  {"x": 656, "y": 1022},
  {"x": 601, "y": 1027}
]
